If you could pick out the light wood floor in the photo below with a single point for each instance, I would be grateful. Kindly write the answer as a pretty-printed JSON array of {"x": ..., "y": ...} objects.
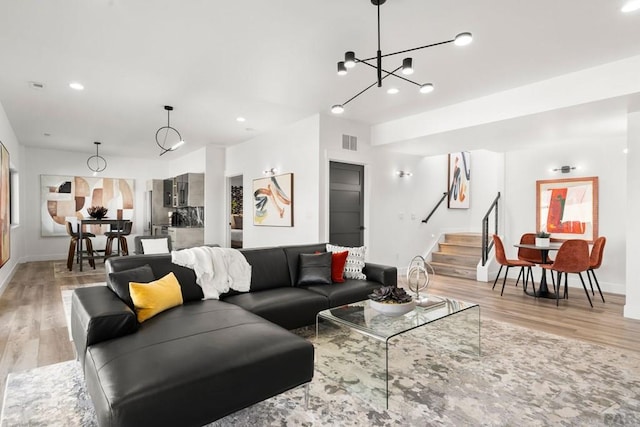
[{"x": 33, "y": 330}]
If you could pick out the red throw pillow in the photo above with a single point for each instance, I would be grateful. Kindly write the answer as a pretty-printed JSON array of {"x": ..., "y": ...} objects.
[{"x": 338, "y": 261}]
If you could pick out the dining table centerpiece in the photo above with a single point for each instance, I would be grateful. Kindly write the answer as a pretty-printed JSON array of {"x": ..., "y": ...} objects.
[
  {"x": 97, "y": 212},
  {"x": 543, "y": 239},
  {"x": 391, "y": 301}
]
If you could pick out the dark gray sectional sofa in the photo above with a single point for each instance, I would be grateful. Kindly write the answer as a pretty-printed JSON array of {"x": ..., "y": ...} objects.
[{"x": 205, "y": 359}]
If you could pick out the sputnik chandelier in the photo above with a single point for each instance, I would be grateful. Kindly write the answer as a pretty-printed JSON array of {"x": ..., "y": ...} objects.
[{"x": 350, "y": 61}]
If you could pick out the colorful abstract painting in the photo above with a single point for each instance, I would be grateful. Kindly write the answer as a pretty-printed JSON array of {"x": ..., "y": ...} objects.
[
  {"x": 273, "y": 201},
  {"x": 5, "y": 206},
  {"x": 568, "y": 208},
  {"x": 459, "y": 180},
  {"x": 66, "y": 198}
]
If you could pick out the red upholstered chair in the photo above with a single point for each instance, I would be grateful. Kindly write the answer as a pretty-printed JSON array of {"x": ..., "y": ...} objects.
[
  {"x": 595, "y": 261},
  {"x": 572, "y": 257},
  {"x": 501, "y": 257},
  {"x": 532, "y": 255}
]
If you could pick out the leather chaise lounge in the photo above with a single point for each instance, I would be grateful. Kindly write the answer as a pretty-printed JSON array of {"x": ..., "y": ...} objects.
[{"x": 204, "y": 359}]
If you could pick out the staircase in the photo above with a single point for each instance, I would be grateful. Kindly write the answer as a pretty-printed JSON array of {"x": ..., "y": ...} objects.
[{"x": 458, "y": 255}]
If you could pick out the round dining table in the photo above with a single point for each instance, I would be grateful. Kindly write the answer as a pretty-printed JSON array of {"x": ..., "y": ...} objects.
[{"x": 543, "y": 290}]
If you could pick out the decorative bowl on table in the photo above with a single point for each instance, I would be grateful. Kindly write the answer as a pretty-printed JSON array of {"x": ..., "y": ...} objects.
[
  {"x": 97, "y": 212},
  {"x": 391, "y": 301}
]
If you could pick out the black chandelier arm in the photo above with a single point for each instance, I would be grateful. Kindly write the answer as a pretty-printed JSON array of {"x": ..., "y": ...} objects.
[
  {"x": 393, "y": 73},
  {"x": 370, "y": 86},
  {"x": 407, "y": 50}
]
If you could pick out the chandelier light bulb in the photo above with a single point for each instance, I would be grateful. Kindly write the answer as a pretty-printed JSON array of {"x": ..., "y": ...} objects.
[
  {"x": 463, "y": 39},
  {"x": 342, "y": 69},
  {"x": 426, "y": 88},
  {"x": 630, "y": 6},
  {"x": 337, "y": 109},
  {"x": 350, "y": 59},
  {"x": 407, "y": 66}
]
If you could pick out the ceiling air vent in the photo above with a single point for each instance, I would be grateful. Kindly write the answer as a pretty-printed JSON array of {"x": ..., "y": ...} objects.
[
  {"x": 349, "y": 142},
  {"x": 36, "y": 85}
]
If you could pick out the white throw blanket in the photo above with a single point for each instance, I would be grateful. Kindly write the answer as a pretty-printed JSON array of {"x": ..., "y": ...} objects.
[{"x": 217, "y": 269}]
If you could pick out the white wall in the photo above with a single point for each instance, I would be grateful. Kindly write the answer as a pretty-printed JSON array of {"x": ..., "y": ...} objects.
[
  {"x": 215, "y": 197},
  {"x": 293, "y": 149},
  {"x": 632, "y": 307},
  {"x": 604, "y": 159},
  {"x": 394, "y": 206},
  {"x": 9, "y": 140},
  {"x": 57, "y": 162}
]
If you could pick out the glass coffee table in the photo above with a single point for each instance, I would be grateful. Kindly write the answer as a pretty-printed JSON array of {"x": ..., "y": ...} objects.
[{"x": 454, "y": 323}]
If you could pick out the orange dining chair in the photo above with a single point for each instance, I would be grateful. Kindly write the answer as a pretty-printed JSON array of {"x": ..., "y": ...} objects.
[
  {"x": 595, "y": 261},
  {"x": 501, "y": 257},
  {"x": 572, "y": 257},
  {"x": 532, "y": 255}
]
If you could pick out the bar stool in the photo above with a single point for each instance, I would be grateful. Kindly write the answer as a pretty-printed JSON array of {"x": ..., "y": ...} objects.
[
  {"x": 118, "y": 234},
  {"x": 73, "y": 246}
]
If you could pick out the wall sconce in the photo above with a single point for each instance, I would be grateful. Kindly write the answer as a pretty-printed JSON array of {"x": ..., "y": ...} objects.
[
  {"x": 402, "y": 174},
  {"x": 270, "y": 172},
  {"x": 564, "y": 169}
]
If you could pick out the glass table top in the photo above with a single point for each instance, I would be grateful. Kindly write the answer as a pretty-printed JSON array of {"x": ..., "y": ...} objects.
[{"x": 362, "y": 317}]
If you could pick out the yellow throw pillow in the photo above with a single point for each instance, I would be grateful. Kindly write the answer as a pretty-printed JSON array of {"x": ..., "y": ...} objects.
[{"x": 152, "y": 298}]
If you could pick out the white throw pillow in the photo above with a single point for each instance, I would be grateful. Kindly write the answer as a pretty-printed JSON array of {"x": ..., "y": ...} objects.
[
  {"x": 355, "y": 261},
  {"x": 155, "y": 246}
]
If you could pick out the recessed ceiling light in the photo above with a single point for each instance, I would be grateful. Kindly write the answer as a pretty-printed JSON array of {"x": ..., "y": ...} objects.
[
  {"x": 625, "y": 151},
  {"x": 630, "y": 6},
  {"x": 76, "y": 86},
  {"x": 47, "y": 134},
  {"x": 392, "y": 90},
  {"x": 240, "y": 119}
]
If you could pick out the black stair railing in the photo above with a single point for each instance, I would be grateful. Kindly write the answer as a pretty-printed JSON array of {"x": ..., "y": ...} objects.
[
  {"x": 486, "y": 246},
  {"x": 435, "y": 208}
]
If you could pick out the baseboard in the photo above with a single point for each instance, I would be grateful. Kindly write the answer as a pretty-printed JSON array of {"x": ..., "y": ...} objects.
[
  {"x": 47, "y": 257},
  {"x": 8, "y": 278},
  {"x": 632, "y": 311}
]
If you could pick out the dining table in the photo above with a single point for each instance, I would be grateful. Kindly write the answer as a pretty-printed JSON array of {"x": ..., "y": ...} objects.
[
  {"x": 118, "y": 223},
  {"x": 542, "y": 291}
]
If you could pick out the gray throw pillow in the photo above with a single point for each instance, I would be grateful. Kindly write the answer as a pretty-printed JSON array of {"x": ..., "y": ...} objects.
[
  {"x": 118, "y": 282},
  {"x": 315, "y": 269}
]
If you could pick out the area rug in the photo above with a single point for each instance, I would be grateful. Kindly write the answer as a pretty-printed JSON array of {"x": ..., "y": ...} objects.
[
  {"x": 522, "y": 377},
  {"x": 61, "y": 271}
]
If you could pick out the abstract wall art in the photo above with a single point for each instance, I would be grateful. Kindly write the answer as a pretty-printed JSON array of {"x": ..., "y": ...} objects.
[
  {"x": 5, "y": 206},
  {"x": 66, "y": 198},
  {"x": 459, "y": 180},
  {"x": 273, "y": 201},
  {"x": 568, "y": 208}
]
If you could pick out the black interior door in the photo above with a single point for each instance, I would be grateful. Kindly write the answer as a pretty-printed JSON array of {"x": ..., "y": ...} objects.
[{"x": 346, "y": 204}]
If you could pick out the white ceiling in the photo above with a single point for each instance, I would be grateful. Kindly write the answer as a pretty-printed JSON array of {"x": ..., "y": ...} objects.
[{"x": 274, "y": 62}]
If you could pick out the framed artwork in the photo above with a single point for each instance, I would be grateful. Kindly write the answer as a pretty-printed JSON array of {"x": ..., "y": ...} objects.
[
  {"x": 459, "y": 180},
  {"x": 568, "y": 208},
  {"x": 273, "y": 201},
  {"x": 5, "y": 206},
  {"x": 66, "y": 198}
]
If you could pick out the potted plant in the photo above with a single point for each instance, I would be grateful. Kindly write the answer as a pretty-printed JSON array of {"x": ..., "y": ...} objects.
[
  {"x": 97, "y": 212},
  {"x": 543, "y": 238},
  {"x": 391, "y": 301}
]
